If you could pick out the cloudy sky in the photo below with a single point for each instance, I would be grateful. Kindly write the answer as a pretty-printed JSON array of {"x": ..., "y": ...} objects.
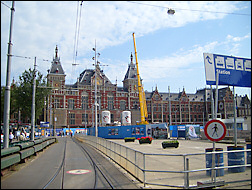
[{"x": 169, "y": 47}]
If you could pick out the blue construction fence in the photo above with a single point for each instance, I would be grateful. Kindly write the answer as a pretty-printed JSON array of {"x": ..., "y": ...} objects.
[
  {"x": 185, "y": 131},
  {"x": 120, "y": 132},
  {"x": 153, "y": 130},
  {"x": 160, "y": 130}
]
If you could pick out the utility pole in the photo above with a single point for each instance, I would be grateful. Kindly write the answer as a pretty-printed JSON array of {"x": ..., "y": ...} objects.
[
  {"x": 95, "y": 103},
  {"x": 33, "y": 103},
  {"x": 170, "y": 119},
  {"x": 7, "y": 88}
]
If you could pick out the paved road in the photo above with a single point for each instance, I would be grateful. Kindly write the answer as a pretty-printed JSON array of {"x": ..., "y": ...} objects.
[{"x": 78, "y": 172}]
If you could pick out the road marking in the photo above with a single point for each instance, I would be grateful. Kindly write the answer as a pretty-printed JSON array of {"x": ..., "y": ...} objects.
[{"x": 78, "y": 171}]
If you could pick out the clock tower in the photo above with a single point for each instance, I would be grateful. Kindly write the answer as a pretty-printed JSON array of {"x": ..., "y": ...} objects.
[
  {"x": 56, "y": 75},
  {"x": 130, "y": 80}
]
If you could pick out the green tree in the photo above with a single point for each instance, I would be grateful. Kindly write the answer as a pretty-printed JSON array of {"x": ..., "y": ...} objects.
[
  {"x": 12, "y": 102},
  {"x": 2, "y": 102},
  {"x": 22, "y": 94}
]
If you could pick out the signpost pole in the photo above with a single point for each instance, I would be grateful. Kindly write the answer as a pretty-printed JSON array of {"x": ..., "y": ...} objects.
[
  {"x": 216, "y": 95},
  {"x": 212, "y": 103},
  {"x": 215, "y": 130},
  {"x": 235, "y": 125},
  {"x": 215, "y": 117}
]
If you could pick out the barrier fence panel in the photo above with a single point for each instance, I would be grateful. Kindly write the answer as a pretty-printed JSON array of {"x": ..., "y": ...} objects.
[{"x": 175, "y": 170}]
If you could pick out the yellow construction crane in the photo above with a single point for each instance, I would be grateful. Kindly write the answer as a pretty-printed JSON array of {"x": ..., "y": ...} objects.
[{"x": 142, "y": 100}]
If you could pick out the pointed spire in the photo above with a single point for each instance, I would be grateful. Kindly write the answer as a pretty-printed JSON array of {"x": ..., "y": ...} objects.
[
  {"x": 56, "y": 52},
  {"x": 131, "y": 58}
]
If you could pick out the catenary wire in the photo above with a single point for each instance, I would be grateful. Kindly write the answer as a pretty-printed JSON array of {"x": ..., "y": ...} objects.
[
  {"x": 76, "y": 36},
  {"x": 77, "y": 31},
  {"x": 5, "y": 5},
  {"x": 191, "y": 9}
]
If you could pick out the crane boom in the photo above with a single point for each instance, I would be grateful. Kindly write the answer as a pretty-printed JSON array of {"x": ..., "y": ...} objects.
[{"x": 142, "y": 100}]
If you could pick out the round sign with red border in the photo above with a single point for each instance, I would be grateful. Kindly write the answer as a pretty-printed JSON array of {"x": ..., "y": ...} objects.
[{"x": 215, "y": 130}]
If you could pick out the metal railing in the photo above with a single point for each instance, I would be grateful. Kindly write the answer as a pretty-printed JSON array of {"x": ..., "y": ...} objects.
[{"x": 172, "y": 170}]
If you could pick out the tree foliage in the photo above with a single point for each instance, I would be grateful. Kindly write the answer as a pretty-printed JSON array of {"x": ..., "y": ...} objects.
[{"x": 21, "y": 94}]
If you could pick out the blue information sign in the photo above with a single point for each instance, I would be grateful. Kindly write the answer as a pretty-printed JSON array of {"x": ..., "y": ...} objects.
[
  {"x": 233, "y": 71},
  {"x": 44, "y": 124}
]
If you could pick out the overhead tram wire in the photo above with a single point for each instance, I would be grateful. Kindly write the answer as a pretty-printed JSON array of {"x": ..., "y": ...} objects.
[
  {"x": 76, "y": 37},
  {"x": 242, "y": 14},
  {"x": 5, "y": 5},
  {"x": 26, "y": 57},
  {"x": 77, "y": 40}
]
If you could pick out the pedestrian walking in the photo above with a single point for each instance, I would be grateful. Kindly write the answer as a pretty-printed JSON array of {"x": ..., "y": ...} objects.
[
  {"x": 2, "y": 137},
  {"x": 22, "y": 136},
  {"x": 11, "y": 137}
]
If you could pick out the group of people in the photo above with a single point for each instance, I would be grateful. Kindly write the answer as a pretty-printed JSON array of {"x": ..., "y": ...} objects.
[
  {"x": 19, "y": 136},
  {"x": 61, "y": 133}
]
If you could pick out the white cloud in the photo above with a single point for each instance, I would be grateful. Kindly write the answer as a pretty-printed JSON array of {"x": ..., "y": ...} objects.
[
  {"x": 237, "y": 38},
  {"x": 174, "y": 65},
  {"x": 39, "y": 26},
  {"x": 233, "y": 43}
]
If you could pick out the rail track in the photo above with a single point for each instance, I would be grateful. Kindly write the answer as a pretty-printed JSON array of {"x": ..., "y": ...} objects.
[{"x": 100, "y": 179}]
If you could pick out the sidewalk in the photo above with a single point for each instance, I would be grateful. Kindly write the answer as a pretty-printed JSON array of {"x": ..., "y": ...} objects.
[{"x": 172, "y": 163}]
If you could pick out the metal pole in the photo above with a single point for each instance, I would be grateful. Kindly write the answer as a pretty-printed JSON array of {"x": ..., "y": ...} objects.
[
  {"x": 7, "y": 88},
  {"x": 33, "y": 103},
  {"x": 144, "y": 180},
  {"x": 54, "y": 117},
  {"x": 187, "y": 174},
  {"x": 170, "y": 119},
  {"x": 51, "y": 120},
  {"x": 44, "y": 109},
  {"x": 212, "y": 103},
  {"x": 96, "y": 128},
  {"x": 235, "y": 125},
  {"x": 216, "y": 95},
  {"x": 215, "y": 117}
]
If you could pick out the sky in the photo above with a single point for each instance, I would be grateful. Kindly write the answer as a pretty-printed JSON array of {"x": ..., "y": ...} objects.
[{"x": 169, "y": 47}]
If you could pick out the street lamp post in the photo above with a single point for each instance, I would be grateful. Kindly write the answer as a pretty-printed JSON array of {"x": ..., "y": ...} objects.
[
  {"x": 7, "y": 88},
  {"x": 33, "y": 103},
  {"x": 96, "y": 63}
]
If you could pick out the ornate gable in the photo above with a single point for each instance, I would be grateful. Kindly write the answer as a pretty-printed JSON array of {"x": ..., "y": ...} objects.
[
  {"x": 183, "y": 97},
  {"x": 87, "y": 77},
  {"x": 228, "y": 97},
  {"x": 156, "y": 96}
]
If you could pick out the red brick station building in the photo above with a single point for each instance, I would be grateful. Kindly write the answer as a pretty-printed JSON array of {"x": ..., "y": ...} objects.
[{"x": 73, "y": 105}]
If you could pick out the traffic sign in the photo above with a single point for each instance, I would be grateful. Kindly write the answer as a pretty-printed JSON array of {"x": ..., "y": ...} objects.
[
  {"x": 215, "y": 130},
  {"x": 233, "y": 71}
]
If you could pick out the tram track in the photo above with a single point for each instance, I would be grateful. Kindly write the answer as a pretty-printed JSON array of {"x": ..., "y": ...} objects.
[
  {"x": 61, "y": 167},
  {"x": 100, "y": 180},
  {"x": 96, "y": 167},
  {"x": 69, "y": 163}
]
